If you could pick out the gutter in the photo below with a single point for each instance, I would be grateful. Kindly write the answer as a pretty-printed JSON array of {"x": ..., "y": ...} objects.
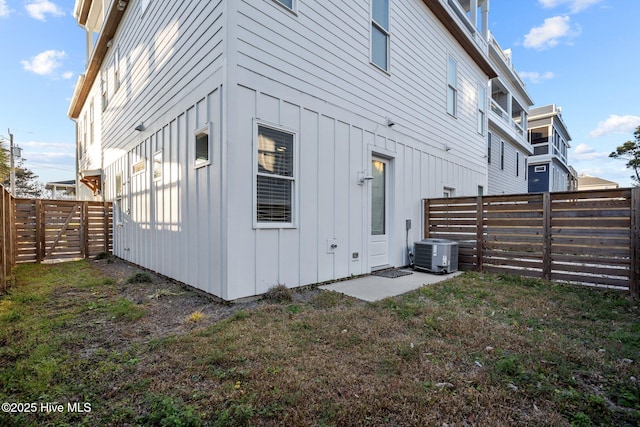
[{"x": 109, "y": 28}]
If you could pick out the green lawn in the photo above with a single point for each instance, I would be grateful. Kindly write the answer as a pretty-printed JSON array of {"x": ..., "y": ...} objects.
[{"x": 474, "y": 350}]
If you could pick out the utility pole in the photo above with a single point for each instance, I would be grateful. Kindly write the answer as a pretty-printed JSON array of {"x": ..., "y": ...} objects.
[{"x": 12, "y": 179}]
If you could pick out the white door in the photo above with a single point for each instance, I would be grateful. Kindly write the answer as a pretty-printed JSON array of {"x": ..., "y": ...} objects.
[{"x": 379, "y": 238}]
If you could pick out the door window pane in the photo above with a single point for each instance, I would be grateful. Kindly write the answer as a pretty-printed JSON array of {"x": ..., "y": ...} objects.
[{"x": 378, "y": 204}]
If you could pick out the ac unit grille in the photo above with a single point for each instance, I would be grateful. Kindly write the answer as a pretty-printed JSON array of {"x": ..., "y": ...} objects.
[{"x": 436, "y": 255}]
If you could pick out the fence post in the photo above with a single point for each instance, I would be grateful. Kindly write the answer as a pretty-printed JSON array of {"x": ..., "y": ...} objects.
[
  {"x": 105, "y": 226},
  {"x": 479, "y": 233},
  {"x": 425, "y": 215},
  {"x": 39, "y": 231},
  {"x": 546, "y": 242},
  {"x": 634, "y": 277},
  {"x": 84, "y": 230}
]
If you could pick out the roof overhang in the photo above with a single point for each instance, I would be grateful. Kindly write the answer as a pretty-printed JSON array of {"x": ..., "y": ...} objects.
[
  {"x": 83, "y": 86},
  {"x": 461, "y": 37}
]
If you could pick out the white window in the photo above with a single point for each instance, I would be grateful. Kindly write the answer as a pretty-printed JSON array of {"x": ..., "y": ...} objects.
[
  {"x": 139, "y": 166},
  {"x": 117, "y": 205},
  {"x": 501, "y": 155},
  {"x": 448, "y": 192},
  {"x": 289, "y": 4},
  {"x": 489, "y": 147},
  {"x": 203, "y": 145},
  {"x": 104, "y": 88},
  {"x": 143, "y": 6},
  {"x": 91, "y": 122},
  {"x": 380, "y": 33},
  {"x": 157, "y": 166},
  {"x": 482, "y": 102},
  {"x": 452, "y": 86},
  {"x": 116, "y": 69},
  {"x": 539, "y": 169},
  {"x": 275, "y": 172},
  {"x": 118, "y": 186},
  {"x": 517, "y": 163}
]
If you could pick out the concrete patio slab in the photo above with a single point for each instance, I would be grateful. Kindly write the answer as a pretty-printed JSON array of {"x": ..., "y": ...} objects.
[{"x": 375, "y": 288}]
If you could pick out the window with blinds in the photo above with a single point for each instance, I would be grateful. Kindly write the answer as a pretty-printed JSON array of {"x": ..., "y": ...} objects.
[{"x": 275, "y": 177}]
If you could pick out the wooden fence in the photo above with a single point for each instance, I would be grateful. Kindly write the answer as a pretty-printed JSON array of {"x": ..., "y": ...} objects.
[
  {"x": 580, "y": 237},
  {"x": 36, "y": 230},
  {"x": 61, "y": 229},
  {"x": 6, "y": 241}
]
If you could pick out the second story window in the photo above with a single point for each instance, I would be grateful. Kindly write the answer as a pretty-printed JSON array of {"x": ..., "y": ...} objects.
[
  {"x": 482, "y": 101},
  {"x": 104, "y": 88},
  {"x": 380, "y": 33},
  {"x": 289, "y": 4},
  {"x": 452, "y": 86},
  {"x": 116, "y": 69}
]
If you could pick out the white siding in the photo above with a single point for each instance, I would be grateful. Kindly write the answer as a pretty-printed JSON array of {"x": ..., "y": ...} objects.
[
  {"x": 323, "y": 51},
  {"x": 506, "y": 181},
  {"x": 186, "y": 64},
  {"x": 331, "y": 203}
]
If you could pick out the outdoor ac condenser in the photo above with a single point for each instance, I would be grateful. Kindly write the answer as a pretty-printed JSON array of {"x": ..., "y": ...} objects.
[{"x": 436, "y": 255}]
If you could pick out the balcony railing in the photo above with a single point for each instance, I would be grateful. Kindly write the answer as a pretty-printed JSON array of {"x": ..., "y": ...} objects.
[{"x": 497, "y": 110}]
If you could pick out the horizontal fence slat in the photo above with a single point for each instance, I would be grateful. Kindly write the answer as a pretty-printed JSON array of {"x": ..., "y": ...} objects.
[{"x": 570, "y": 236}]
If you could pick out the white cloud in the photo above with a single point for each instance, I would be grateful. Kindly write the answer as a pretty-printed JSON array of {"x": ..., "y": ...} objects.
[
  {"x": 38, "y": 9},
  {"x": 616, "y": 124},
  {"x": 44, "y": 63},
  {"x": 536, "y": 77},
  {"x": 4, "y": 9},
  {"x": 550, "y": 33},
  {"x": 67, "y": 75},
  {"x": 574, "y": 5},
  {"x": 586, "y": 152}
]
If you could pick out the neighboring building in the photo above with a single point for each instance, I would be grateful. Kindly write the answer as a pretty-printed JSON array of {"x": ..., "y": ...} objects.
[
  {"x": 62, "y": 189},
  {"x": 549, "y": 169},
  {"x": 247, "y": 144},
  {"x": 588, "y": 182},
  {"x": 508, "y": 145}
]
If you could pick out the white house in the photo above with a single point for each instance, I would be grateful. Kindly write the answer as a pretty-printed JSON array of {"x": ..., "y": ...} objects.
[
  {"x": 250, "y": 143},
  {"x": 508, "y": 146}
]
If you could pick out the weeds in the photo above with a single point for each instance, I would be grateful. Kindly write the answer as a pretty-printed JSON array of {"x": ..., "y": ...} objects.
[
  {"x": 140, "y": 277},
  {"x": 278, "y": 294},
  {"x": 458, "y": 353}
]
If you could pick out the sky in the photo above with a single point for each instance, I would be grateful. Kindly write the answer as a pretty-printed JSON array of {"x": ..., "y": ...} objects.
[{"x": 578, "y": 54}]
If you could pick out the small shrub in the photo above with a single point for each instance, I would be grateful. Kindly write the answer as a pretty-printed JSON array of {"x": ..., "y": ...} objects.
[
  {"x": 103, "y": 255},
  {"x": 279, "y": 294},
  {"x": 140, "y": 278}
]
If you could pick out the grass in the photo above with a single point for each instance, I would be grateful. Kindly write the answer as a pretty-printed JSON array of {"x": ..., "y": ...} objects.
[{"x": 474, "y": 350}]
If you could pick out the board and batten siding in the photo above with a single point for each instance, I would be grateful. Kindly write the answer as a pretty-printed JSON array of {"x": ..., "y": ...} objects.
[
  {"x": 309, "y": 73},
  {"x": 334, "y": 145},
  {"x": 172, "y": 224}
]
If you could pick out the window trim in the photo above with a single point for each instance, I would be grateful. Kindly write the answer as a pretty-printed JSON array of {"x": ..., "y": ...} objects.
[
  {"x": 386, "y": 32},
  {"x": 452, "y": 88},
  {"x": 153, "y": 165},
  {"x": 293, "y": 9},
  {"x": 139, "y": 167},
  {"x": 294, "y": 179},
  {"x": 482, "y": 108},
  {"x": 208, "y": 130},
  {"x": 540, "y": 168}
]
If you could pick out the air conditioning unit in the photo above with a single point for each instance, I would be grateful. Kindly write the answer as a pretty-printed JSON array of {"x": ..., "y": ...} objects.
[{"x": 436, "y": 255}]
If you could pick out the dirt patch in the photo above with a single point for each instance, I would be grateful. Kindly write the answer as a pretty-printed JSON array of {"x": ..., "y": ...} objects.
[{"x": 169, "y": 305}]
